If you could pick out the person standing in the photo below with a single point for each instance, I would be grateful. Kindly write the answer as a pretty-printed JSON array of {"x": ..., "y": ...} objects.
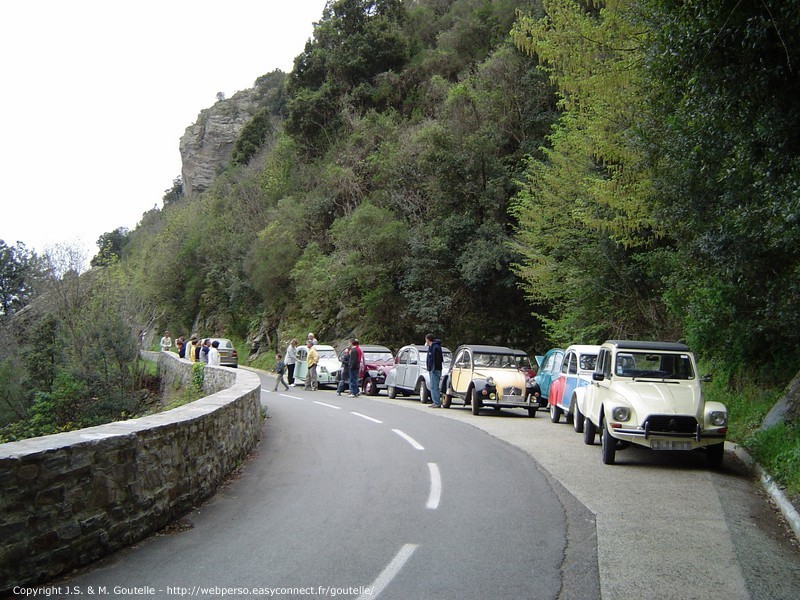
[
  {"x": 166, "y": 342},
  {"x": 356, "y": 364},
  {"x": 344, "y": 375},
  {"x": 312, "y": 338},
  {"x": 204, "y": 350},
  {"x": 191, "y": 349},
  {"x": 180, "y": 344},
  {"x": 311, "y": 360},
  {"x": 290, "y": 360},
  {"x": 213, "y": 354},
  {"x": 434, "y": 365},
  {"x": 280, "y": 367}
]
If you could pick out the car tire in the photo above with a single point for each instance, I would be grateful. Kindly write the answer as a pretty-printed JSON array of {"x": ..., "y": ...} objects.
[
  {"x": 589, "y": 431},
  {"x": 370, "y": 389},
  {"x": 424, "y": 394},
  {"x": 578, "y": 419},
  {"x": 714, "y": 455},
  {"x": 476, "y": 403},
  {"x": 555, "y": 413},
  {"x": 392, "y": 391},
  {"x": 608, "y": 444}
]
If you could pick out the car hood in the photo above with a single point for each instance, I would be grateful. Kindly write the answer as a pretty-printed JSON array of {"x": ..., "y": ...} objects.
[
  {"x": 502, "y": 377},
  {"x": 649, "y": 397}
]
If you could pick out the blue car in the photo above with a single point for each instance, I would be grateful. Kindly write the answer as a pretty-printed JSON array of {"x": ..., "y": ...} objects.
[{"x": 549, "y": 369}]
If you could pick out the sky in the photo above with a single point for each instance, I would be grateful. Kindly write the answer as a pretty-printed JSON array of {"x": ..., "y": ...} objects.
[{"x": 96, "y": 94}]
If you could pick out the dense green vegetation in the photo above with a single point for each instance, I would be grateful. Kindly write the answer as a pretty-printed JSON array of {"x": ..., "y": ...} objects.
[{"x": 530, "y": 173}]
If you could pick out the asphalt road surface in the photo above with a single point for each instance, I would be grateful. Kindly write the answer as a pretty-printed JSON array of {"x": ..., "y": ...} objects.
[
  {"x": 349, "y": 497},
  {"x": 378, "y": 498}
]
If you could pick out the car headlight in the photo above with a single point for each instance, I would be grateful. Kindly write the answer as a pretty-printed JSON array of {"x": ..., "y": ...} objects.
[
  {"x": 718, "y": 418},
  {"x": 621, "y": 413},
  {"x": 490, "y": 381}
]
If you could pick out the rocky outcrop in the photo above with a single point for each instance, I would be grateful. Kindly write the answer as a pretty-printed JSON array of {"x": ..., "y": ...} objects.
[{"x": 206, "y": 146}]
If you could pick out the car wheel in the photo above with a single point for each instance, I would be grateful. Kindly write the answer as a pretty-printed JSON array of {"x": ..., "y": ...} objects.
[
  {"x": 578, "y": 419},
  {"x": 424, "y": 394},
  {"x": 448, "y": 400},
  {"x": 714, "y": 455},
  {"x": 589, "y": 431},
  {"x": 608, "y": 443},
  {"x": 555, "y": 413},
  {"x": 370, "y": 389},
  {"x": 532, "y": 411},
  {"x": 476, "y": 402},
  {"x": 392, "y": 391}
]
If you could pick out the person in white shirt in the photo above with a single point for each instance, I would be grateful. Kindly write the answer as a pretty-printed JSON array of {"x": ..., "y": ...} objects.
[{"x": 213, "y": 354}]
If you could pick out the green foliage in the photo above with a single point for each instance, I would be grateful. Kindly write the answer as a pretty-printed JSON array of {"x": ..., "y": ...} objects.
[
  {"x": 20, "y": 271},
  {"x": 252, "y": 137},
  {"x": 198, "y": 376},
  {"x": 777, "y": 449}
]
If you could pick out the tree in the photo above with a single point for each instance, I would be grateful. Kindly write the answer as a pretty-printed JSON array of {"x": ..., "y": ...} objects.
[
  {"x": 111, "y": 245},
  {"x": 20, "y": 270},
  {"x": 175, "y": 193}
]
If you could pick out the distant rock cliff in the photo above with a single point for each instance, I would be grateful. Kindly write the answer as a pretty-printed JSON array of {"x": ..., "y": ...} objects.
[{"x": 206, "y": 146}]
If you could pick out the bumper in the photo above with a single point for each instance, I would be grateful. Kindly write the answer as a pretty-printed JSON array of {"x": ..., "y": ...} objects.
[{"x": 665, "y": 440}]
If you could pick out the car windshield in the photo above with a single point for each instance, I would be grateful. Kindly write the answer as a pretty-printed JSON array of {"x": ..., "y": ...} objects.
[
  {"x": 495, "y": 361},
  {"x": 654, "y": 365},
  {"x": 587, "y": 362},
  {"x": 326, "y": 353},
  {"x": 377, "y": 356}
]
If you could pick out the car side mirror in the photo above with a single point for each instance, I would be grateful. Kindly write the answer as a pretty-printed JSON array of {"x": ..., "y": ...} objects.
[
  {"x": 707, "y": 378},
  {"x": 598, "y": 376}
]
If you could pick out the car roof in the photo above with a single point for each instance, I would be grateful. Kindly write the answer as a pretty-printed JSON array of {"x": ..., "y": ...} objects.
[
  {"x": 373, "y": 348},
  {"x": 640, "y": 345},
  {"x": 584, "y": 348},
  {"x": 324, "y": 347},
  {"x": 489, "y": 349},
  {"x": 420, "y": 347}
]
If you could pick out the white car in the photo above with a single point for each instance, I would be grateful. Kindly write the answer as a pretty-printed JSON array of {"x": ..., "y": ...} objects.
[
  {"x": 648, "y": 393},
  {"x": 410, "y": 373},
  {"x": 326, "y": 368}
]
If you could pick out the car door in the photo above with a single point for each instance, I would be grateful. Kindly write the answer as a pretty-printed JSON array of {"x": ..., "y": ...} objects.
[
  {"x": 401, "y": 368},
  {"x": 570, "y": 370},
  {"x": 462, "y": 372},
  {"x": 552, "y": 362},
  {"x": 412, "y": 370},
  {"x": 602, "y": 371},
  {"x": 301, "y": 366}
]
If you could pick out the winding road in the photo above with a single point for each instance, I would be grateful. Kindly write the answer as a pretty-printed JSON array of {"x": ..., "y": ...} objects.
[{"x": 378, "y": 498}]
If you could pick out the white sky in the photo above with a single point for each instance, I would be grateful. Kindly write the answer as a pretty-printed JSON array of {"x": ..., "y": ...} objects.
[{"x": 95, "y": 95}]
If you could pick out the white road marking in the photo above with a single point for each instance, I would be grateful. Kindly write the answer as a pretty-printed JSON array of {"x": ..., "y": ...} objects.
[
  {"x": 436, "y": 487},
  {"x": 409, "y": 439},
  {"x": 365, "y": 417},
  {"x": 328, "y": 405},
  {"x": 389, "y": 573}
]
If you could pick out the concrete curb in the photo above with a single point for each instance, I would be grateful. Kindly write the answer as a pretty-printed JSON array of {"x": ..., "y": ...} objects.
[{"x": 787, "y": 509}]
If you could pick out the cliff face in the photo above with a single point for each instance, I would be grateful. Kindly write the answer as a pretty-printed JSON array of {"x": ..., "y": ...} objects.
[{"x": 206, "y": 146}]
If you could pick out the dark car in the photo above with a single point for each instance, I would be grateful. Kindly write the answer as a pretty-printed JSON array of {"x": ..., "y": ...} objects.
[{"x": 378, "y": 361}]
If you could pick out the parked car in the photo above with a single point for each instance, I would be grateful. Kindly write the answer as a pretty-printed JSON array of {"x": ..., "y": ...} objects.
[
  {"x": 228, "y": 357},
  {"x": 527, "y": 369},
  {"x": 410, "y": 374},
  {"x": 327, "y": 367},
  {"x": 648, "y": 393},
  {"x": 566, "y": 392},
  {"x": 378, "y": 361},
  {"x": 488, "y": 376},
  {"x": 548, "y": 372}
]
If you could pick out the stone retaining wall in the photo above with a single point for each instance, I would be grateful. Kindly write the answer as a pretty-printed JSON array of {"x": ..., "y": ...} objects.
[{"x": 71, "y": 498}]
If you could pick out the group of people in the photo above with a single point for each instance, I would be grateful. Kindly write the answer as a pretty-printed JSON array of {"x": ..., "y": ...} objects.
[
  {"x": 353, "y": 367},
  {"x": 196, "y": 350}
]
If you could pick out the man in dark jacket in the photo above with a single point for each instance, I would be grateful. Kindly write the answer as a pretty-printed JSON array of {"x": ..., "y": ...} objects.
[{"x": 434, "y": 364}]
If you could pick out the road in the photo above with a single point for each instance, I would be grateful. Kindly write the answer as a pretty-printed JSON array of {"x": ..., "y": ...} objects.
[{"x": 388, "y": 498}]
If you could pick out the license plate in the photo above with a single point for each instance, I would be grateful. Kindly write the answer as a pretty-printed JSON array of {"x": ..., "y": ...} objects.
[{"x": 670, "y": 445}]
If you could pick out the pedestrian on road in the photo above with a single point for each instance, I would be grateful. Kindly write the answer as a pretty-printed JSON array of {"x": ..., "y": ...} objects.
[
  {"x": 356, "y": 366},
  {"x": 344, "y": 374},
  {"x": 311, "y": 360},
  {"x": 280, "y": 367},
  {"x": 166, "y": 342},
  {"x": 434, "y": 364},
  {"x": 290, "y": 359},
  {"x": 213, "y": 354}
]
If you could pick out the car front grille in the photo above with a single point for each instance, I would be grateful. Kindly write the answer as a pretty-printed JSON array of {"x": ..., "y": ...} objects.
[
  {"x": 670, "y": 424},
  {"x": 513, "y": 391}
]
